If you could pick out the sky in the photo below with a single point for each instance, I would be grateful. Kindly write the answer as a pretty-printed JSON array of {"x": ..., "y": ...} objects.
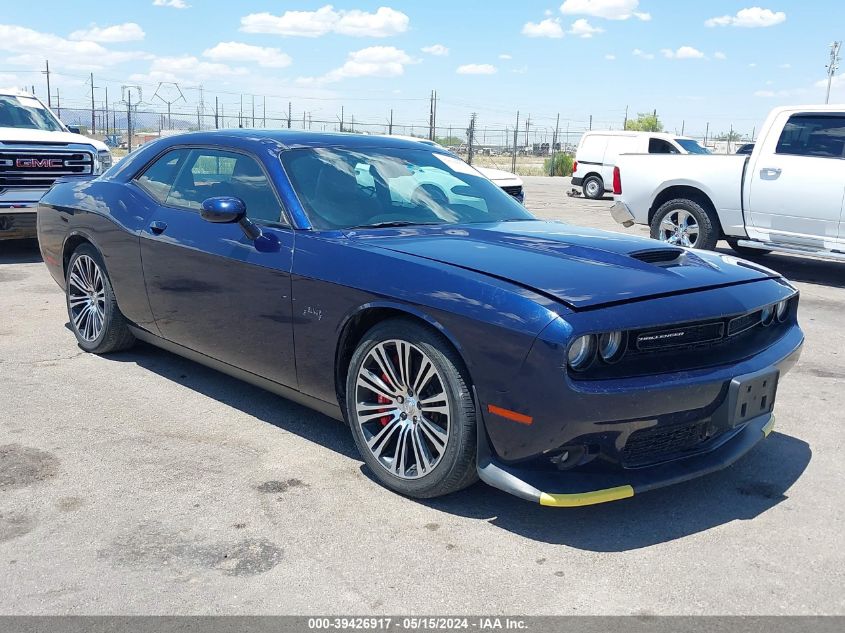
[{"x": 720, "y": 62}]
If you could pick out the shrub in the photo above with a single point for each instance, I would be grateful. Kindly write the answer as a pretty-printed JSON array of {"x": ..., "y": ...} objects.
[{"x": 562, "y": 166}]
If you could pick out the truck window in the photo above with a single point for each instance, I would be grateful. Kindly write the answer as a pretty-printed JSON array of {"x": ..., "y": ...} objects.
[
  {"x": 821, "y": 135},
  {"x": 659, "y": 146}
]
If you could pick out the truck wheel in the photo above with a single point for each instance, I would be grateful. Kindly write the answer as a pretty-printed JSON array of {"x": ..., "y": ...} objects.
[
  {"x": 684, "y": 222},
  {"x": 744, "y": 250},
  {"x": 593, "y": 188},
  {"x": 95, "y": 319}
]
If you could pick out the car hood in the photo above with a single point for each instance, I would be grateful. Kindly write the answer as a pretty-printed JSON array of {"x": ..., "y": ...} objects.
[
  {"x": 20, "y": 135},
  {"x": 581, "y": 267},
  {"x": 500, "y": 177}
]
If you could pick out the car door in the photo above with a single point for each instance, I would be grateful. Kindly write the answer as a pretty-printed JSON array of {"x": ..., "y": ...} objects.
[
  {"x": 209, "y": 288},
  {"x": 797, "y": 180}
]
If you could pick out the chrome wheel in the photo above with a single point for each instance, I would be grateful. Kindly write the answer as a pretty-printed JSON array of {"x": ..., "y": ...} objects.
[
  {"x": 679, "y": 227},
  {"x": 592, "y": 188},
  {"x": 86, "y": 298},
  {"x": 402, "y": 409}
]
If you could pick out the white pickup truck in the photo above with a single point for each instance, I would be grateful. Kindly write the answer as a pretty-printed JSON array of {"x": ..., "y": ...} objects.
[
  {"x": 36, "y": 149},
  {"x": 787, "y": 196}
]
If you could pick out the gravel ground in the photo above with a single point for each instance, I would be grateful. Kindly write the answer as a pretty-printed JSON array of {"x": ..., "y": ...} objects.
[{"x": 144, "y": 483}]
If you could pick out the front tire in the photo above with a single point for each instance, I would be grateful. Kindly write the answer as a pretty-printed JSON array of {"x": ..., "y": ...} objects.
[
  {"x": 96, "y": 321},
  {"x": 593, "y": 188},
  {"x": 683, "y": 222},
  {"x": 411, "y": 410}
]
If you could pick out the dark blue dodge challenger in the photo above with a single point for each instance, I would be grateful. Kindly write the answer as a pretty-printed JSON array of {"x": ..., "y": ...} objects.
[{"x": 388, "y": 284}]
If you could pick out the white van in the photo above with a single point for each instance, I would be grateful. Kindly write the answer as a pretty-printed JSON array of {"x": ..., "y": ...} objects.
[{"x": 597, "y": 153}]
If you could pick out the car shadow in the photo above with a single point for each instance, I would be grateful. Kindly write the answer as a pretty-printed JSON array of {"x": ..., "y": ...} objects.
[
  {"x": 19, "y": 252},
  {"x": 797, "y": 268},
  {"x": 261, "y": 404},
  {"x": 746, "y": 490}
]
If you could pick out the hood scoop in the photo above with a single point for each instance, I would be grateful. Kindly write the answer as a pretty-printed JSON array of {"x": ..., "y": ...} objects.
[{"x": 658, "y": 255}]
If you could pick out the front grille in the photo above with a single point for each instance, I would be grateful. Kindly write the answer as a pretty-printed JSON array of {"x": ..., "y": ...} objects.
[
  {"x": 514, "y": 190},
  {"x": 648, "y": 446},
  {"x": 39, "y": 168}
]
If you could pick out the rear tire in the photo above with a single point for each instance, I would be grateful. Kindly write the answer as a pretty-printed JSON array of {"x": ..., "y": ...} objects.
[
  {"x": 684, "y": 222},
  {"x": 416, "y": 434},
  {"x": 744, "y": 250},
  {"x": 593, "y": 187},
  {"x": 96, "y": 321}
]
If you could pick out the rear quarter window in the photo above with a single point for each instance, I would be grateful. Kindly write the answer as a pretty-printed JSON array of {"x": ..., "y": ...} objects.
[{"x": 819, "y": 135}]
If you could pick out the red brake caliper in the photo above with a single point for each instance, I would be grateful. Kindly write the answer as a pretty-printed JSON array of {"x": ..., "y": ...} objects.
[{"x": 382, "y": 400}]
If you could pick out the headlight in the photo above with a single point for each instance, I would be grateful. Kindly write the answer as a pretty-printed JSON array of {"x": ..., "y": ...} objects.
[
  {"x": 581, "y": 352},
  {"x": 105, "y": 160},
  {"x": 767, "y": 316},
  {"x": 781, "y": 310},
  {"x": 610, "y": 346}
]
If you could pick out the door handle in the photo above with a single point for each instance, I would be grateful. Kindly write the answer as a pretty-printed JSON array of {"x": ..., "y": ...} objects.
[
  {"x": 157, "y": 227},
  {"x": 770, "y": 173}
]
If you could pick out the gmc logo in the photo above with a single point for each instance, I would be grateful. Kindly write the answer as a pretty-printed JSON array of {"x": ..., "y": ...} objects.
[{"x": 39, "y": 163}]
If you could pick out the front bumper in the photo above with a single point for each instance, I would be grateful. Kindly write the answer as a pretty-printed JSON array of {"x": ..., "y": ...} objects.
[
  {"x": 572, "y": 489},
  {"x": 621, "y": 212},
  {"x": 17, "y": 222}
]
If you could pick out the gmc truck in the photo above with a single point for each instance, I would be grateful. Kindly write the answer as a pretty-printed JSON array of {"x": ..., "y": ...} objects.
[
  {"x": 35, "y": 150},
  {"x": 786, "y": 196}
]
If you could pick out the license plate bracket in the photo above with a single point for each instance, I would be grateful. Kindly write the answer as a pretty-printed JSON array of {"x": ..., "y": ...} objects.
[{"x": 753, "y": 395}]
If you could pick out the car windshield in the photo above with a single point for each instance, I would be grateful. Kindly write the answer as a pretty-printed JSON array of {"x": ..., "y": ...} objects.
[
  {"x": 692, "y": 146},
  {"x": 344, "y": 188},
  {"x": 26, "y": 112}
]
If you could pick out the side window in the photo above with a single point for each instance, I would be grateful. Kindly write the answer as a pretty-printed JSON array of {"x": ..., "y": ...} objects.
[
  {"x": 813, "y": 135},
  {"x": 210, "y": 173},
  {"x": 659, "y": 146},
  {"x": 159, "y": 177}
]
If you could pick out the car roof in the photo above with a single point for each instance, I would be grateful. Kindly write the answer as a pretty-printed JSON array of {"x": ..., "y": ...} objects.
[
  {"x": 292, "y": 139},
  {"x": 14, "y": 92}
]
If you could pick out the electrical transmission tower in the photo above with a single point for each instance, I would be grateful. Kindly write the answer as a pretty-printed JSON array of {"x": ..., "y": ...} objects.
[
  {"x": 832, "y": 67},
  {"x": 169, "y": 92}
]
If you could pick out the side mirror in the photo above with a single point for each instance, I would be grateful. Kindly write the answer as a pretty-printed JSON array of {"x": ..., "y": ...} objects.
[
  {"x": 230, "y": 210},
  {"x": 223, "y": 210},
  {"x": 74, "y": 129}
]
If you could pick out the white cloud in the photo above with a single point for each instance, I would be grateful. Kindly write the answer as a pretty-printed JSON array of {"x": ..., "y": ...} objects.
[
  {"x": 239, "y": 52},
  {"x": 769, "y": 94},
  {"x": 31, "y": 48},
  {"x": 438, "y": 50},
  {"x": 642, "y": 54},
  {"x": 477, "y": 69},
  {"x": 607, "y": 9},
  {"x": 126, "y": 32},
  {"x": 383, "y": 23},
  {"x": 505, "y": 56},
  {"x": 173, "y": 4},
  {"x": 684, "y": 52},
  {"x": 547, "y": 28},
  {"x": 185, "y": 68},
  {"x": 375, "y": 61},
  {"x": 785, "y": 66},
  {"x": 609, "y": 57},
  {"x": 582, "y": 28},
  {"x": 719, "y": 55},
  {"x": 753, "y": 17}
]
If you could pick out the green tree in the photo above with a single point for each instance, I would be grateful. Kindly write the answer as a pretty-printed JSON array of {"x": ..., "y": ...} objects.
[
  {"x": 733, "y": 136},
  {"x": 448, "y": 141},
  {"x": 645, "y": 122}
]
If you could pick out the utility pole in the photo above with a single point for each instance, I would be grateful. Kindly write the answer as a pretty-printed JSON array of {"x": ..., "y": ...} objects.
[
  {"x": 591, "y": 121},
  {"x": 470, "y": 136},
  {"x": 527, "y": 125},
  {"x": 625, "y": 124},
  {"x": 832, "y": 67},
  {"x": 93, "y": 119},
  {"x": 106, "y": 122},
  {"x": 289, "y": 113},
  {"x": 216, "y": 114},
  {"x": 515, "y": 142},
  {"x": 683, "y": 126},
  {"x": 554, "y": 147},
  {"x": 169, "y": 97},
  {"x": 706, "y": 133},
  {"x": 126, "y": 93},
  {"x": 341, "y": 118},
  {"x": 435, "y": 115},
  {"x": 47, "y": 72},
  {"x": 59, "y": 104},
  {"x": 390, "y": 129},
  {"x": 241, "y": 114},
  {"x": 253, "y": 111}
]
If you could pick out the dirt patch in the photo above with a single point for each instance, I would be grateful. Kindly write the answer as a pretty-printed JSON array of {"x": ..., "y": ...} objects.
[
  {"x": 275, "y": 487},
  {"x": 22, "y": 466},
  {"x": 13, "y": 525}
]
